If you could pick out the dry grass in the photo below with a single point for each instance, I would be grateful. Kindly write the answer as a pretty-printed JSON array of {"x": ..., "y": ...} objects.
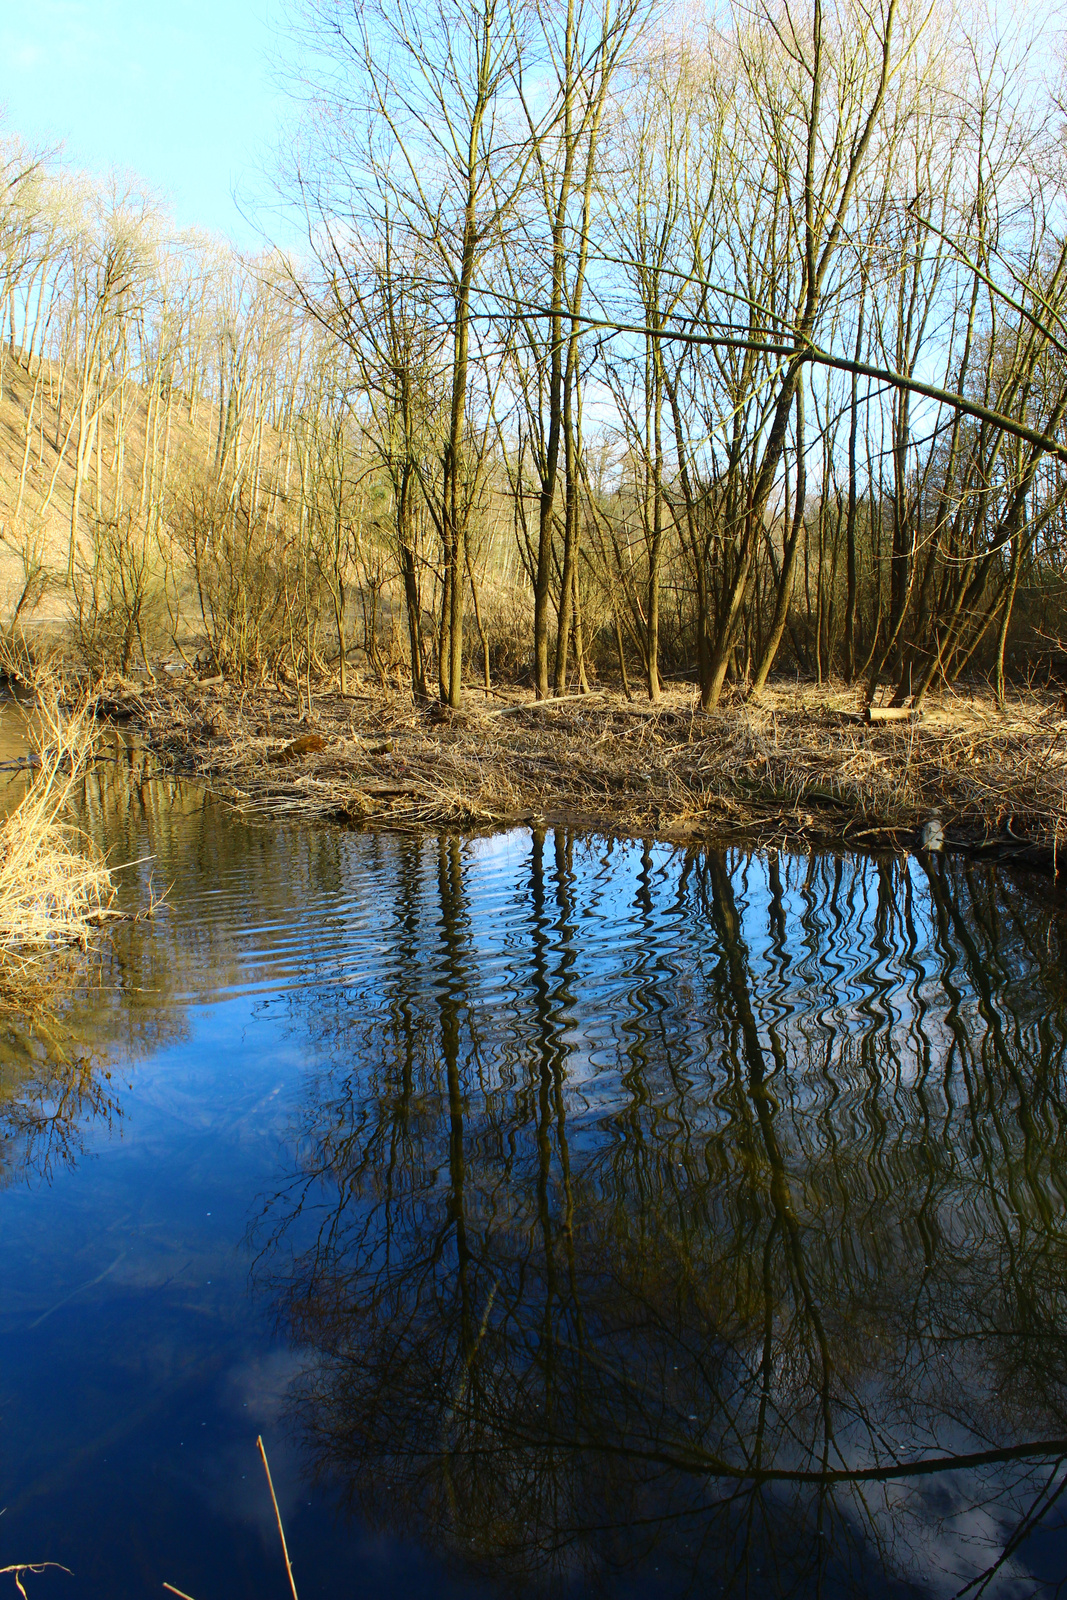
[
  {"x": 801, "y": 765},
  {"x": 55, "y": 886}
]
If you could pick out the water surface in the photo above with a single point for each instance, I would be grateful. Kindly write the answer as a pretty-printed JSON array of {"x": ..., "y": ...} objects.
[{"x": 569, "y": 1216}]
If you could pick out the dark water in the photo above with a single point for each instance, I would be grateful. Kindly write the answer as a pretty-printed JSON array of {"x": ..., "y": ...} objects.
[{"x": 568, "y": 1216}]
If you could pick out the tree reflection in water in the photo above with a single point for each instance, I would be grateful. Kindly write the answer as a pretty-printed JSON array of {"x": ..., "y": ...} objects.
[
  {"x": 51, "y": 1091},
  {"x": 69, "y": 1036},
  {"x": 690, "y": 1209}
]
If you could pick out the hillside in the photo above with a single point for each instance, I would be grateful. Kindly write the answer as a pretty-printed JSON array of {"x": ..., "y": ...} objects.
[{"x": 138, "y": 447}]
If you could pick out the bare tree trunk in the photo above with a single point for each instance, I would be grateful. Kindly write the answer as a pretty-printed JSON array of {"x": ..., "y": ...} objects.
[
  {"x": 570, "y": 535},
  {"x": 784, "y": 596},
  {"x": 655, "y": 554},
  {"x": 1005, "y": 619},
  {"x": 486, "y": 682}
]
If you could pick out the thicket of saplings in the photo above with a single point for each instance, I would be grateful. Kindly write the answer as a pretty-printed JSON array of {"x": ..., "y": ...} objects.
[
  {"x": 623, "y": 345},
  {"x": 254, "y": 595}
]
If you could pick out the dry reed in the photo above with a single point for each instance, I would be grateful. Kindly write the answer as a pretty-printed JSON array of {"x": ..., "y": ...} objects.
[
  {"x": 170, "y": 1587},
  {"x": 55, "y": 886}
]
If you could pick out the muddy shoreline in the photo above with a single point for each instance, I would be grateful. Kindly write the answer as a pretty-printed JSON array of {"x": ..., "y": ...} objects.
[{"x": 801, "y": 767}]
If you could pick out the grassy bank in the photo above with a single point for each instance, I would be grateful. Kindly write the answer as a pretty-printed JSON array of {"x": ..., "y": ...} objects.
[{"x": 803, "y": 765}]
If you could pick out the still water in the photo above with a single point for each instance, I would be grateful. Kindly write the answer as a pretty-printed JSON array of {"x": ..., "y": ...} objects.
[{"x": 569, "y": 1216}]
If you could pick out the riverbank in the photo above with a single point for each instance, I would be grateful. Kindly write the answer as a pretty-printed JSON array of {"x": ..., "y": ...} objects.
[{"x": 801, "y": 766}]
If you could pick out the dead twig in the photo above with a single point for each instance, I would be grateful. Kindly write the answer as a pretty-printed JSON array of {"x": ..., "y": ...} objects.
[
  {"x": 278, "y": 1515},
  {"x": 30, "y": 1566}
]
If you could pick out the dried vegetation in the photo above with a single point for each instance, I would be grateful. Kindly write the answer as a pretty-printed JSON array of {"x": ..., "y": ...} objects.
[
  {"x": 55, "y": 886},
  {"x": 801, "y": 765}
]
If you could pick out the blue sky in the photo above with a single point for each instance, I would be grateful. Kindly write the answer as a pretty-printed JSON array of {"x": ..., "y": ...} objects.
[{"x": 183, "y": 94}]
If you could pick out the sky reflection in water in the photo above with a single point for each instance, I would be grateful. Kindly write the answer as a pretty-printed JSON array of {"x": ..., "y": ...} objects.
[{"x": 601, "y": 1217}]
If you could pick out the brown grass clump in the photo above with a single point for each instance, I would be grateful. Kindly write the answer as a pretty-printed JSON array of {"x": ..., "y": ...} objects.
[{"x": 55, "y": 886}]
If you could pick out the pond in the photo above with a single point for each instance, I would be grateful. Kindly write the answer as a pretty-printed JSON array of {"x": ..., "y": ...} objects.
[{"x": 569, "y": 1216}]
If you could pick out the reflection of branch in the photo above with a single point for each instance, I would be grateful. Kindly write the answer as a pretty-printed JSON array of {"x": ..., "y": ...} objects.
[
  {"x": 715, "y": 1467},
  {"x": 1043, "y": 1503},
  {"x": 465, "y": 1376},
  {"x": 46, "y": 1117},
  {"x": 81, "y": 1287}
]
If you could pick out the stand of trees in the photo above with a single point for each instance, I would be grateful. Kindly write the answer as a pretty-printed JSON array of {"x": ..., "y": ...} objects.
[{"x": 620, "y": 341}]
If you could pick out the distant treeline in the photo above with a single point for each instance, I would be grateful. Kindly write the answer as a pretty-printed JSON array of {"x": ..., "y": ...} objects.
[{"x": 620, "y": 341}]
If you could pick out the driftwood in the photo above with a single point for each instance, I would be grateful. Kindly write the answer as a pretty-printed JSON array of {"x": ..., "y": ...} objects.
[{"x": 892, "y": 714}]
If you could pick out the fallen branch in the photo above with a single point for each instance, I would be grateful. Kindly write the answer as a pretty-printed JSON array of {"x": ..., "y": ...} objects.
[{"x": 544, "y": 705}]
